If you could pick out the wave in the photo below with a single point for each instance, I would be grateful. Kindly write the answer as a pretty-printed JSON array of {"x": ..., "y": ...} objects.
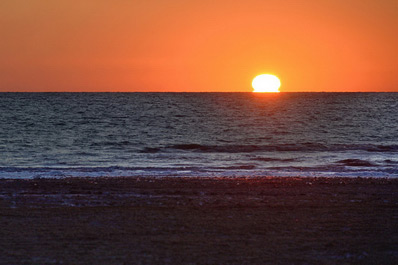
[
  {"x": 391, "y": 162},
  {"x": 304, "y": 147},
  {"x": 347, "y": 167},
  {"x": 271, "y": 159},
  {"x": 355, "y": 163}
]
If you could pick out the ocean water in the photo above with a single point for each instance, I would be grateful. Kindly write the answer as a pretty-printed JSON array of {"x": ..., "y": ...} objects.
[{"x": 198, "y": 134}]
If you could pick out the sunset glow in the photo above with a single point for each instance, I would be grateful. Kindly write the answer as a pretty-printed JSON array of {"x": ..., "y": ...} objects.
[
  {"x": 198, "y": 46},
  {"x": 266, "y": 83}
]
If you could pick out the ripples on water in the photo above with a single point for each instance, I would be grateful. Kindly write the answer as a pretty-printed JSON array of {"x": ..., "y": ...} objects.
[{"x": 198, "y": 134}]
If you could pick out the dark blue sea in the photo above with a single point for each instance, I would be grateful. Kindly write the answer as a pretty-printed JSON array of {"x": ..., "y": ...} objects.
[{"x": 198, "y": 134}]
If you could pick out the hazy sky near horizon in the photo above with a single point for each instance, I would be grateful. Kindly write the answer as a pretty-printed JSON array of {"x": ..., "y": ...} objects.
[{"x": 176, "y": 45}]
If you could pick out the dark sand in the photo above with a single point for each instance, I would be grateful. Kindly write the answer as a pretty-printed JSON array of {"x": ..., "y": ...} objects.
[{"x": 199, "y": 221}]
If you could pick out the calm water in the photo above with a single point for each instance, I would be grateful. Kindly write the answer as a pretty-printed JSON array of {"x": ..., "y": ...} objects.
[{"x": 198, "y": 134}]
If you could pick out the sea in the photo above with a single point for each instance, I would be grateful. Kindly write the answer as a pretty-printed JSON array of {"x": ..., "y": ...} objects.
[{"x": 57, "y": 135}]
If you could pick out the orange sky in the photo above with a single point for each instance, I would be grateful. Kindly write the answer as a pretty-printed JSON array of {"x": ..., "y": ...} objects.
[{"x": 198, "y": 45}]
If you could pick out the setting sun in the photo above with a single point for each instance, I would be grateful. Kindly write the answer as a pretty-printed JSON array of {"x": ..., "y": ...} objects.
[{"x": 266, "y": 83}]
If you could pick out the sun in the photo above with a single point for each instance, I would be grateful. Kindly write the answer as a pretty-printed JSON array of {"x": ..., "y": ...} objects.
[{"x": 266, "y": 83}]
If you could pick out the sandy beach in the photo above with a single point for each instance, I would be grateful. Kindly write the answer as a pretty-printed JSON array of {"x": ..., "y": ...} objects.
[{"x": 199, "y": 221}]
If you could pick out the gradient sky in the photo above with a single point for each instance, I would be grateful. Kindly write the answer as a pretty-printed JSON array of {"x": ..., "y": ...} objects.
[{"x": 198, "y": 45}]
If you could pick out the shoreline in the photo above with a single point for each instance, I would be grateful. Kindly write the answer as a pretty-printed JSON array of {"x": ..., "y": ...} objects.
[
  {"x": 204, "y": 177},
  {"x": 196, "y": 220}
]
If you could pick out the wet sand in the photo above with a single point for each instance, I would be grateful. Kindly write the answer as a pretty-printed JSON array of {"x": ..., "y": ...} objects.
[{"x": 199, "y": 221}]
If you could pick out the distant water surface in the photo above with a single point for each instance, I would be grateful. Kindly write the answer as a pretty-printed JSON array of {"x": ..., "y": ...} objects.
[{"x": 198, "y": 134}]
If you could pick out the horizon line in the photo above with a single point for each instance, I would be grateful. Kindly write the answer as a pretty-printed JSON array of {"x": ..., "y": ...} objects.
[{"x": 251, "y": 92}]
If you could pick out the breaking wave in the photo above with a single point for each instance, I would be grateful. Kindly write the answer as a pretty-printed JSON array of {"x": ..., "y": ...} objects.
[{"x": 305, "y": 147}]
